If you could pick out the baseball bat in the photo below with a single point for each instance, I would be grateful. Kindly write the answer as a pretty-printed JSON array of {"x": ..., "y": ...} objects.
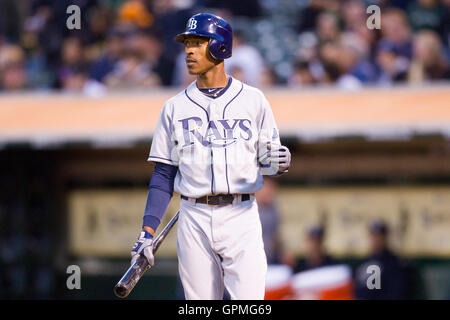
[{"x": 137, "y": 270}]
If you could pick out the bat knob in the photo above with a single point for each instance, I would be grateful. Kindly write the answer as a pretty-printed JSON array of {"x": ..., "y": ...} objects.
[{"x": 121, "y": 291}]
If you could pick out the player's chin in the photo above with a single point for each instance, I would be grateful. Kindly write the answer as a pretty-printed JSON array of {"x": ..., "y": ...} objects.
[{"x": 193, "y": 71}]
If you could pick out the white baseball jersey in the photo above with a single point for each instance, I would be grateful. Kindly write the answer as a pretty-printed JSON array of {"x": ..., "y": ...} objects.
[{"x": 215, "y": 142}]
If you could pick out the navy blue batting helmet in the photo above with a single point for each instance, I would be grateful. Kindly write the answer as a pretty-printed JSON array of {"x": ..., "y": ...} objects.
[{"x": 217, "y": 29}]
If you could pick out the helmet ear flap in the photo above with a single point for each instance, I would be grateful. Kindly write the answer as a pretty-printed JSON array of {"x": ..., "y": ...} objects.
[
  {"x": 213, "y": 46},
  {"x": 218, "y": 49}
]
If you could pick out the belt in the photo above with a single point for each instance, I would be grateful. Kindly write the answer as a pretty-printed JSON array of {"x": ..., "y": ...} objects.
[{"x": 219, "y": 199}]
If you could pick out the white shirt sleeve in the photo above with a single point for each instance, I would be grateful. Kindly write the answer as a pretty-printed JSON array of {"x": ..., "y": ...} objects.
[
  {"x": 163, "y": 147},
  {"x": 268, "y": 130},
  {"x": 268, "y": 134}
]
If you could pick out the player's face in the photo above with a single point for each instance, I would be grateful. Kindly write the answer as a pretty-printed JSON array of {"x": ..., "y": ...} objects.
[{"x": 198, "y": 59}]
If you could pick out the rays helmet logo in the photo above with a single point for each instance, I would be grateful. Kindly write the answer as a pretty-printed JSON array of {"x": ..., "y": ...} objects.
[
  {"x": 219, "y": 133},
  {"x": 192, "y": 24}
]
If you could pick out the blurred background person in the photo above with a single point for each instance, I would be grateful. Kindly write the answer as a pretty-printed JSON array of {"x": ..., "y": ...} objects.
[
  {"x": 302, "y": 75},
  {"x": 135, "y": 12},
  {"x": 149, "y": 45},
  {"x": 309, "y": 15},
  {"x": 339, "y": 62},
  {"x": 392, "y": 67},
  {"x": 395, "y": 275},
  {"x": 327, "y": 28},
  {"x": 427, "y": 14},
  {"x": 315, "y": 255},
  {"x": 246, "y": 63},
  {"x": 428, "y": 61},
  {"x": 270, "y": 220},
  {"x": 72, "y": 59},
  {"x": 394, "y": 49},
  {"x": 132, "y": 72},
  {"x": 107, "y": 60},
  {"x": 12, "y": 68}
]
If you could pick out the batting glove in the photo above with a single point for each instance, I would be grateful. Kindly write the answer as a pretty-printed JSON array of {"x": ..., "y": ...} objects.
[
  {"x": 144, "y": 246},
  {"x": 280, "y": 156},
  {"x": 275, "y": 159}
]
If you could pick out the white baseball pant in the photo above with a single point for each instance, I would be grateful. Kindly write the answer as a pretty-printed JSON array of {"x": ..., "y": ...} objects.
[{"x": 221, "y": 247}]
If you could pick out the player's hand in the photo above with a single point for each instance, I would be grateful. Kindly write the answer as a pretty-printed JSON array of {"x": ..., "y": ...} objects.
[
  {"x": 144, "y": 246},
  {"x": 280, "y": 157},
  {"x": 275, "y": 159}
]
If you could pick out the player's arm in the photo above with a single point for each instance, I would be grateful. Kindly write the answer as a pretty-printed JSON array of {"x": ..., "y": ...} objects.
[
  {"x": 163, "y": 153},
  {"x": 159, "y": 194},
  {"x": 274, "y": 159}
]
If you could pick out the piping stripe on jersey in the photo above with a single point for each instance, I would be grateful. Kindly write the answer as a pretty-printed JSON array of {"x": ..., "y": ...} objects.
[
  {"x": 207, "y": 117},
  {"x": 162, "y": 159},
  {"x": 223, "y": 117}
]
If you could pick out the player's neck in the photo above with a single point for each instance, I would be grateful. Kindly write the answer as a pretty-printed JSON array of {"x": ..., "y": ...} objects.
[{"x": 213, "y": 78}]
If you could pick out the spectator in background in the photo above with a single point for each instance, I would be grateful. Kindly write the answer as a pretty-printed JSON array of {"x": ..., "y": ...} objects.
[
  {"x": 392, "y": 66},
  {"x": 73, "y": 74},
  {"x": 396, "y": 33},
  {"x": 338, "y": 62},
  {"x": 315, "y": 255},
  {"x": 427, "y": 14},
  {"x": 428, "y": 62},
  {"x": 270, "y": 220},
  {"x": 308, "y": 17},
  {"x": 246, "y": 63},
  {"x": 394, "y": 278},
  {"x": 10, "y": 20},
  {"x": 268, "y": 78},
  {"x": 132, "y": 72},
  {"x": 353, "y": 14},
  {"x": 308, "y": 68},
  {"x": 302, "y": 75},
  {"x": 135, "y": 12},
  {"x": 327, "y": 28},
  {"x": 251, "y": 9},
  {"x": 115, "y": 45},
  {"x": 149, "y": 45},
  {"x": 363, "y": 68},
  {"x": 445, "y": 31},
  {"x": 12, "y": 71},
  {"x": 394, "y": 50},
  {"x": 74, "y": 79},
  {"x": 170, "y": 19},
  {"x": 72, "y": 58}
]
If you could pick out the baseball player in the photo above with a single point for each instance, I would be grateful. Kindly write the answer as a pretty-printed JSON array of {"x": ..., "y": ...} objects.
[{"x": 212, "y": 143}]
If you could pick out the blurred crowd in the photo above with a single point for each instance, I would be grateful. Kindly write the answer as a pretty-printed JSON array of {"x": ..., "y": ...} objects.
[
  {"x": 125, "y": 44},
  {"x": 397, "y": 277}
]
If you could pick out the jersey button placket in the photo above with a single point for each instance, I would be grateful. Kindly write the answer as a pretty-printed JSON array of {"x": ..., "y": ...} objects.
[
  {"x": 213, "y": 116},
  {"x": 214, "y": 111},
  {"x": 215, "y": 222}
]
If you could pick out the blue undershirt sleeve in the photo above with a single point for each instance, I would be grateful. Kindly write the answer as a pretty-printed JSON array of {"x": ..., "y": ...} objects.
[{"x": 160, "y": 192}]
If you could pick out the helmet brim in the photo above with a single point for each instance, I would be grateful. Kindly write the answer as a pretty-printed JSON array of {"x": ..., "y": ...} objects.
[{"x": 189, "y": 34}]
